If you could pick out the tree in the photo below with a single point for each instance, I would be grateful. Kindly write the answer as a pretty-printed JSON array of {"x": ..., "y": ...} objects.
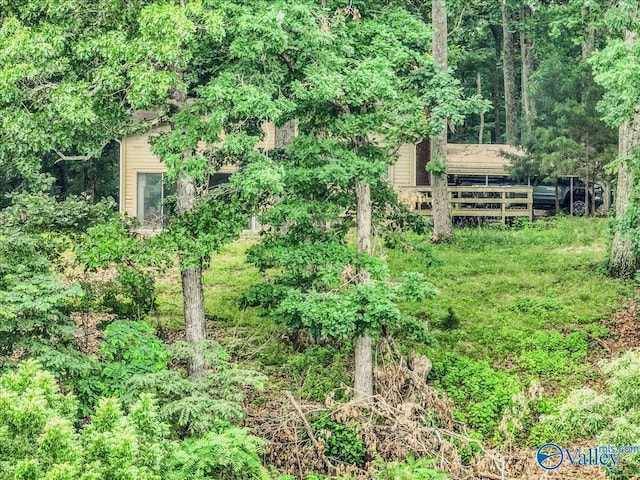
[
  {"x": 614, "y": 69},
  {"x": 442, "y": 224},
  {"x": 200, "y": 77},
  {"x": 508, "y": 61},
  {"x": 360, "y": 92}
]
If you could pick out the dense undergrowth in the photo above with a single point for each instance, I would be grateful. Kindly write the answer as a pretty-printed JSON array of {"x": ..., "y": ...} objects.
[
  {"x": 515, "y": 337},
  {"x": 516, "y": 305}
]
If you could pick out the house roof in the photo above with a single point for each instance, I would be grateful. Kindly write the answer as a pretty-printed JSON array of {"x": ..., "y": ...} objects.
[{"x": 479, "y": 159}]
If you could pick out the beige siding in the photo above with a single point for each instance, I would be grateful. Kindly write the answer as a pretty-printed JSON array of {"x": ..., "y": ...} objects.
[
  {"x": 138, "y": 158},
  {"x": 403, "y": 173}
]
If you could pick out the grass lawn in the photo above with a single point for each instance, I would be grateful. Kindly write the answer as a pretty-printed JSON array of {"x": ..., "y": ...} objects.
[{"x": 506, "y": 285}]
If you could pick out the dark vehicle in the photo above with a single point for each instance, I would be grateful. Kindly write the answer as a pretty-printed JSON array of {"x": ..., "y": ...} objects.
[{"x": 544, "y": 194}]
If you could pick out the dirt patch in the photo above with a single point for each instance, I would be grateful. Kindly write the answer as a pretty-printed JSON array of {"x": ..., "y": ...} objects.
[
  {"x": 623, "y": 326},
  {"x": 91, "y": 335}
]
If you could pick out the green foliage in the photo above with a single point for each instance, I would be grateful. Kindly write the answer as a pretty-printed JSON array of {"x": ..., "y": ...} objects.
[
  {"x": 34, "y": 302},
  {"x": 228, "y": 455},
  {"x": 130, "y": 348},
  {"x": 39, "y": 212},
  {"x": 130, "y": 294},
  {"x": 611, "y": 417},
  {"x": 410, "y": 469},
  {"x": 41, "y": 440},
  {"x": 115, "y": 245},
  {"x": 553, "y": 353},
  {"x": 196, "y": 405},
  {"x": 481, "y": 393},
  {"x": 368, "y": 307},
  {"x": 341, "y": 442},
  {"x": 319, "y": 370}
]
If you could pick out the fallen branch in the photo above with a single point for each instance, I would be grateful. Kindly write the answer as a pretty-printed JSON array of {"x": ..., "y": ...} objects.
[{"x": 307, "y": 427}]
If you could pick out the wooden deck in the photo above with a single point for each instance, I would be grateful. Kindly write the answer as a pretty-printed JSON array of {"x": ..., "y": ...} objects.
[{"x": 491, "y": 202}]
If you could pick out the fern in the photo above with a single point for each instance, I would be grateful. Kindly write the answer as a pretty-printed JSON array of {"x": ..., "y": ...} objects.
[{"x": 232, "y": 454}]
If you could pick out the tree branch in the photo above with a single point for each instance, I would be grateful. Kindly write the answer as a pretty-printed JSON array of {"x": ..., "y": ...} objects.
[
  {"x": 307, "y": 427},
  {"x": 180, "y": 104},
  {"x": 42, "y": 86},
  {"x": 84, "y": 158}
]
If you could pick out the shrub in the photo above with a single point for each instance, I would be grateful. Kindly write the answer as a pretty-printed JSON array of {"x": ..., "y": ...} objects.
[
  {"x": 196, "y": 405},
  {"x": 131, "y": 348},
  {"x": 40, "y": 439},
  {"x": 480, "y": 392},
  {"x": 611, "y": 417},
  {"x": 341, "y": 442},
  {"x": 33, "y": 301}
]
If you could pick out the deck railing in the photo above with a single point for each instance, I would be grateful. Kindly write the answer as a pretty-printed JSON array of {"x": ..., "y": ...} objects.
[{"x": 499, "y": 202}]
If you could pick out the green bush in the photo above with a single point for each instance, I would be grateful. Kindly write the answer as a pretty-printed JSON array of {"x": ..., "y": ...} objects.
[
  {"x": 481, "y": 393},
  {"x": 196, "y": 405},
  {"x": 130, "y": 348},
  {"x": 612, "y": 417},
  {"x": 341, "y": 442},
  {"x": 34, "y": 303},
  {"x": 40, "y": 439},
  {"x": 411, "y": 469}
]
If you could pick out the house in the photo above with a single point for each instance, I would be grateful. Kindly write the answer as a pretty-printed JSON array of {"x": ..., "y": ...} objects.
[
  {"x": 142, "y": 174},
  {"x": 142, "y": 186}
]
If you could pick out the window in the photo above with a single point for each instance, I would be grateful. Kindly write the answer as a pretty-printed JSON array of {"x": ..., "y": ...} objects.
[{"x": 151, "y": 195}]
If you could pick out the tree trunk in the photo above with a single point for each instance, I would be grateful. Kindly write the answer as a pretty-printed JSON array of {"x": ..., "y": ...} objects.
[
  {"x": 442, "y": 226},
  {"x": 191, "y": 276},
  {"x": 90, "y": 180},
  {"x": 481, "y": 130},
  {"x": 284, "y": 135},
  {"x": 622, "y": 260},
  {"x": 510, "y": 100},
  {"x": 363, "y": 385},
  {"x": 498, "y": 83},
  {"x": 606, "y": 192},
  {"x": 586, "y": 193},
  {"x": 526, "y": 54}
]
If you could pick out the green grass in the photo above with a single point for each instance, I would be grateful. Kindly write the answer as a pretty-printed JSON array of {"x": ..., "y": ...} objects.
[
  {"x": 506, "y": 285},
  {"x": 503, "y": 284}
]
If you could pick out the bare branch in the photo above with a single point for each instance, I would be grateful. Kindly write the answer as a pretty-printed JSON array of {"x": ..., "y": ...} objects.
[
  {"x": 83, "y": 158},
  {"x": 42, "y": 86}
]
